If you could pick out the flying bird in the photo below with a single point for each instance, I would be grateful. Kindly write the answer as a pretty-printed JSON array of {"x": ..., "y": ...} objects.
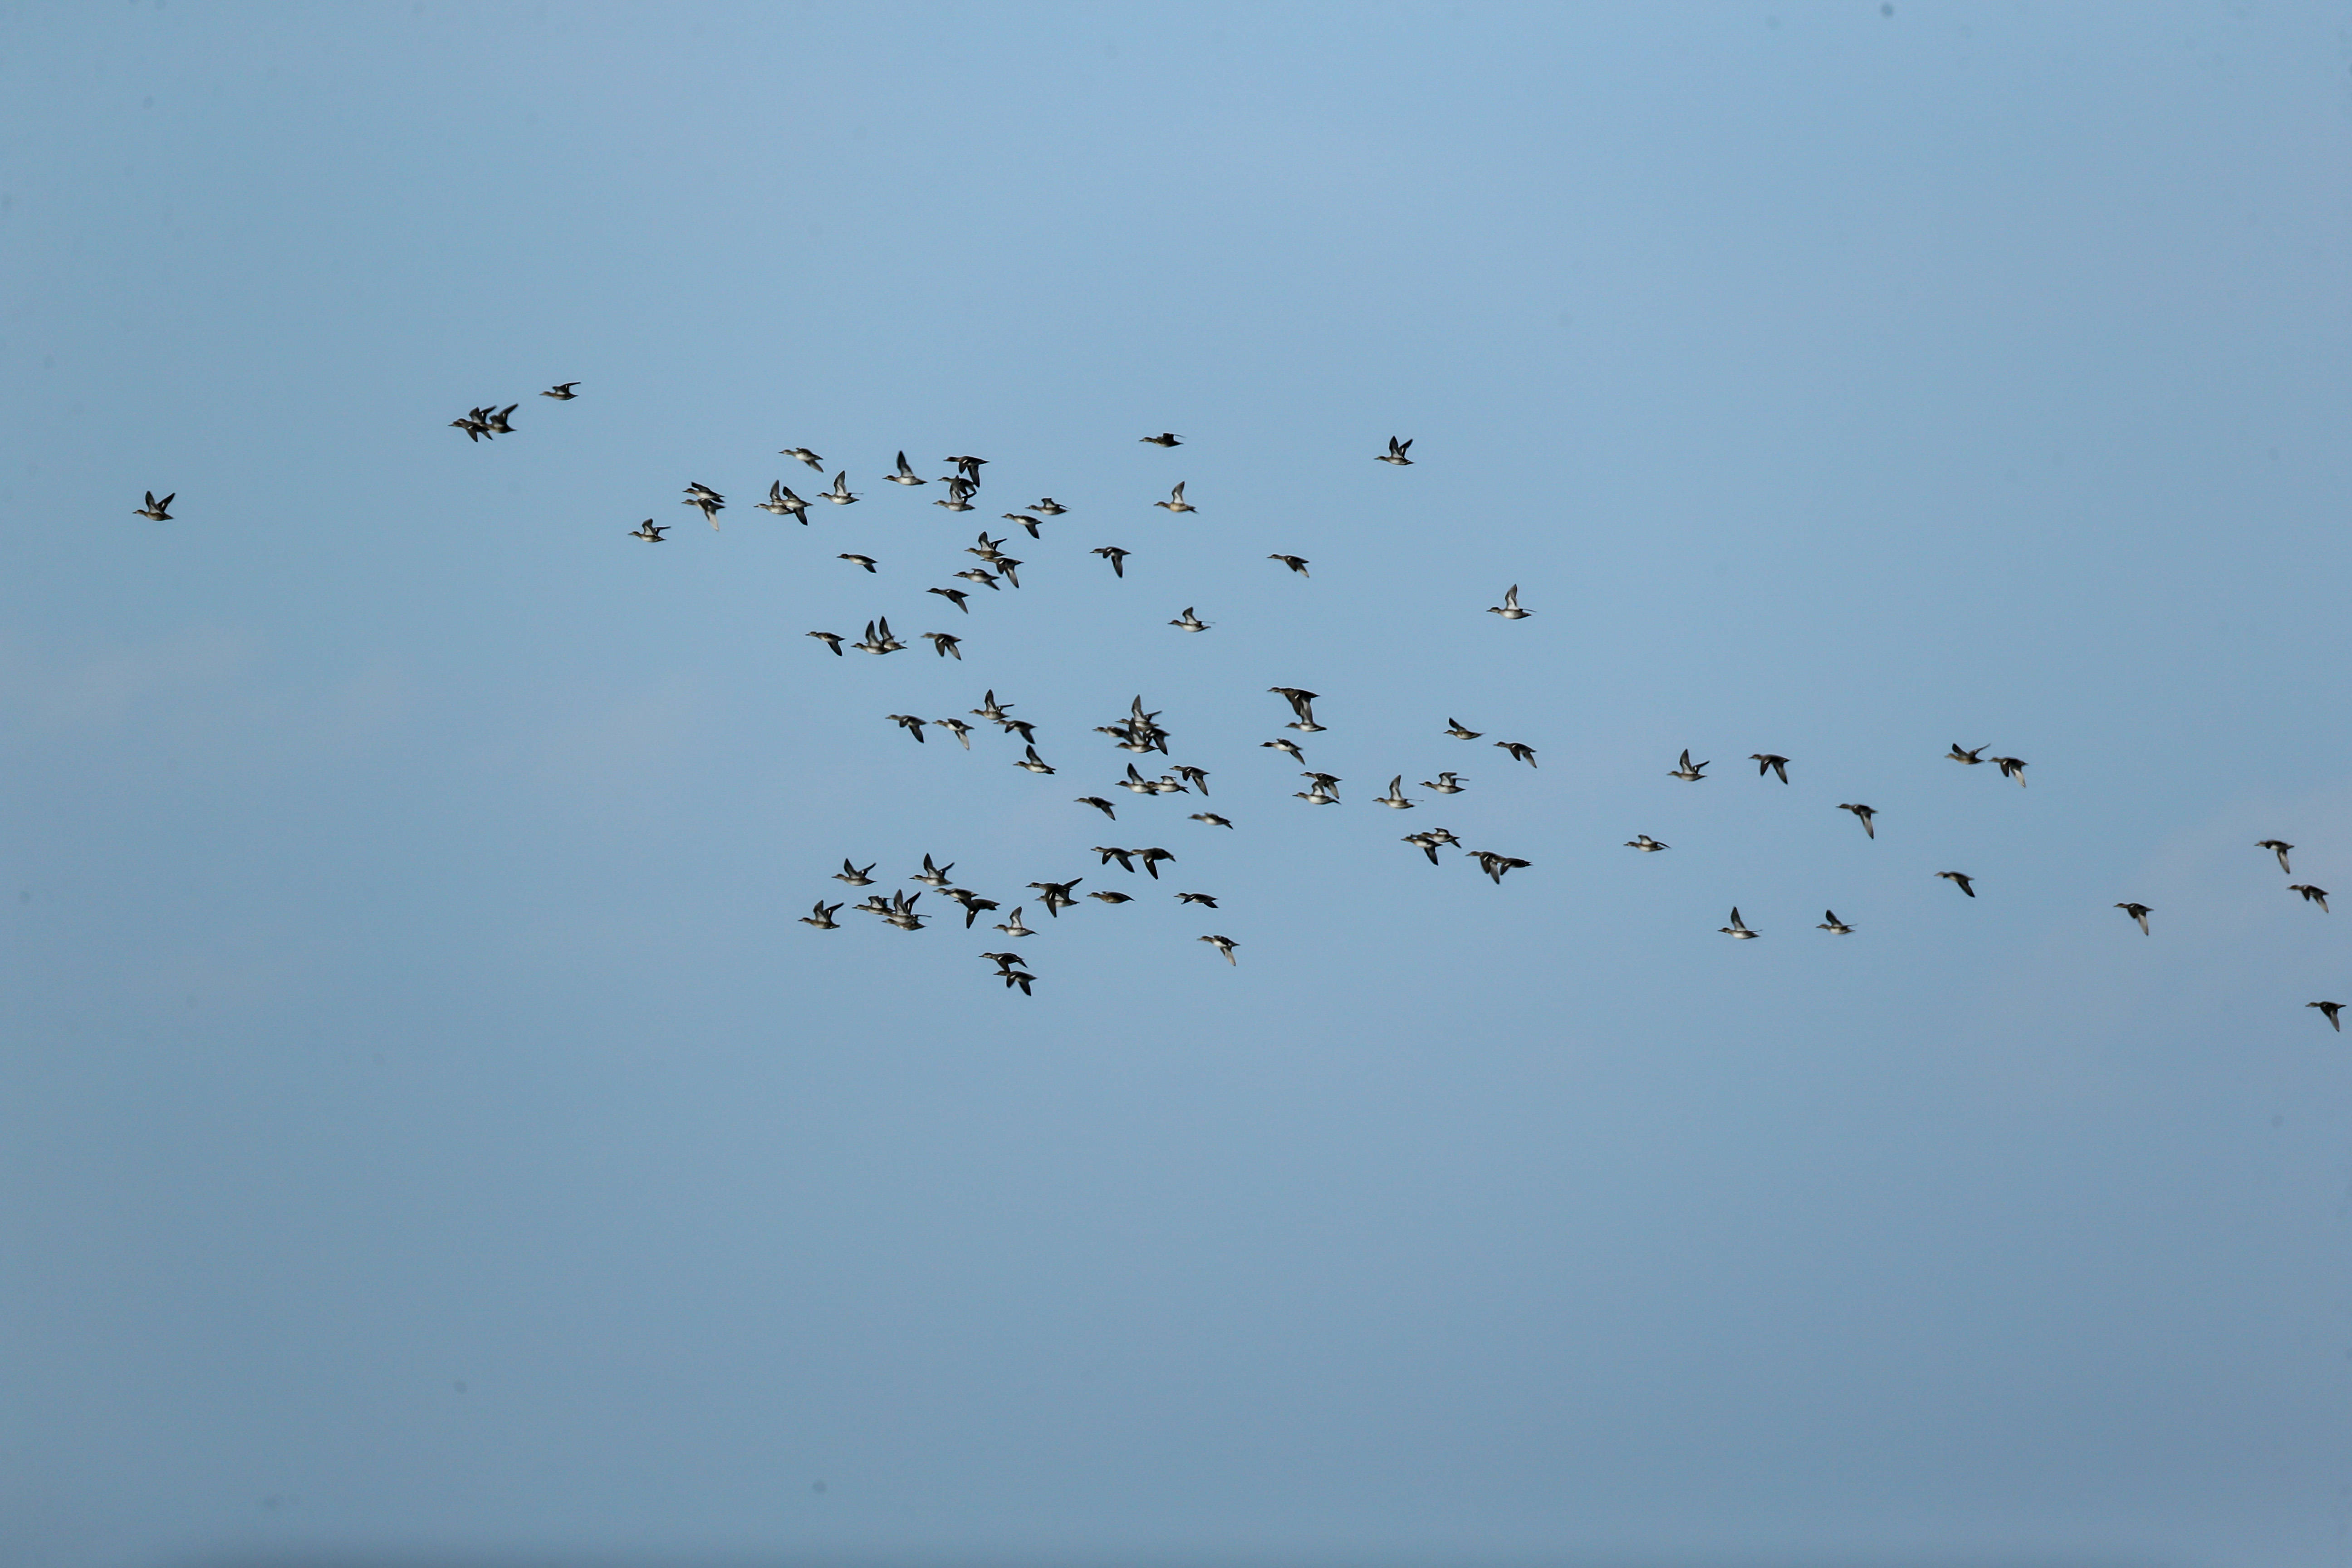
[
  {"x": 1394, "y": 799},
  {"x": 561, "y": 391},
  {"x": 932, "y": 875},
  {"x": 1212, "y": 818},
  {"x": 1112, "y": 898},
  {"x": 653, "y": 535},
  {"x": 1048, "y": 507},
  {"x": 1834, "y": 926},
  {"x": 1225, "y": 945},
  {"x": 1190, "y": 622},
  {"x": 2311, "y": 895},
  {"x": 1959, "y": 754},
  {"x": 839, "y": 494},
  {"x": 907, "y": 721},
  {"x": 1197, "y": 777},
  {"x": 906, "y": 475},
  {"x": 1862, "y": 814},
  {"x": 1176, "y": 501},
  {"x": 1509, "y": 608},
  {"x": 783, "y": 504},
  {"x": 1115, "y": 556},
  {"x": 1302, "y": 703},
  {"x": 1494, "y": 865},
  {"x": 2328, "y": 1010},
  {"x": 1032, "y": 763},
  {"x": 2278, "y": 847},
  {"x": 830, "y": 639},
  {"x": 1203, "y": 899},
  {"x": 1737, "y": 928},
  {"x": 806, "y": 456},
  {"x": 1296, "y": 562},
  {"x": 1013, "y": 928},
  {"x": 158, "y": 510},
  {"x": 855, "y": 876},
  {"x": 1644, "y": 843},
  {"x": 1447, "y": 784},
  {"x": 2011, "y": 768},
  {"x": 956, "y": 727},
  {"x": 710, "y": 501},
  {"x": 1099, "y": 804},
  {"x": 1690, "y": 770},
  {"x": 1031, "y": 524},
  {"x": 1767, "y": 763},
  {"x": 1162, "y": 439},
  {"x": 1289, "y": 748},
  {"x": 822, "y": 916},
  {"x": 1960, "y": 879},
  {"x": 2138, "y": 912},
  {"x": 944, "y": 644},
  {"x": 865, "y": 560},
  {"x": 955, "y": 596},
  {"x": 495, "y": 420},
  {"x": 1521, "y": 753},
  {"x": 1396, "y": 453},
  {"x": 1454, "y": 728}
]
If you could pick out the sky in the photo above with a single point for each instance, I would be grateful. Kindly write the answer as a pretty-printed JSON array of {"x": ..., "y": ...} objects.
[{"x": 428, "y": 1135}]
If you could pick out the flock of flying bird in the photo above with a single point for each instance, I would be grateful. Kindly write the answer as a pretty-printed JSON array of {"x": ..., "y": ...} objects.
[{"x": 1139, "y": 731}]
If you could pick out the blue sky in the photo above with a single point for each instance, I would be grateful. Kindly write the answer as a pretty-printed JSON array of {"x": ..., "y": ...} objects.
[{"x": 429, "y": 1132}]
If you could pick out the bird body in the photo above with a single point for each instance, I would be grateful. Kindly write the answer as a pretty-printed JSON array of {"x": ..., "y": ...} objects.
[
  {"x": 2328, "y": 1010},
  {"x": 1509, "y": 608},
  {"x": 806, "y": 456},
  {"x": 1644, "y": 843},
  {"x": 161, "y": 510},
  {"x": 561, "y": 391},
  {"x": 1163, "y": 439}
]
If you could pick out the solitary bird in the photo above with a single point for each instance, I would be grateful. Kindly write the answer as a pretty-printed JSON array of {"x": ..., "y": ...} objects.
[
  {"x": 1959, "y": 754},
  {"x": 710, "y": 501},
  {"x": 2138, "y": 912},
  {"x": 955, "y": 596},
  {"x": 2328, "y": 1011},
  {"x": 1644, "y": 843},
  {"x": 1115, "y": 556},
  {"x": 1862, "y": 814},
  {"x": 907, "y": 721},
  {"x": 1203, "y": 898},
  {"x": 561, "y": 391},
  {"x": 1959, "y": 879},
  {"x": 1690, "y": 770},
  {"x": 1190, "y": 622},
  {"x": 1032, "y": 763},
  {"x": 830, "y": 639},
  {"x": 653, "y": 535},
  {"x": 1302, "y": 702},
  {"x": 1225, "y": 945},
  {"x": 1162, "y": 439},
  {"x": 2011, "y": 768},
  {"x": 865, "y": 560},
  {"x": 1296, "y": 562},
  {"x": 1738, "y": 928},
  {"x": 1176, "y": 501},
  {"x": 1834, "y": 926},
  {"x": 783, "y": 504},
  {"x": 943, "y": 644},
  {"x": 906, "y": 475},
  {"x": 1099, "y": 804},
  {"x": 1521, "y": 753},
  {"x": 2311, "y": 895},
  {"x": 159, "y": 511},
  {"x": 2278, "y": 847},
  {"x": 1454, "y": 728},
  {"x": 806, "y": 456},
  {"x": 1766, "y": 762},
  {"x": 1395, "y": 798},
  {"x": 1447, "y": 784},
  {"x": 1212, "y": 818},
  {"x": 1509, "y": 608},
  {"x": 1396, "y": 453},
  {"x": 853, "y": 875}
]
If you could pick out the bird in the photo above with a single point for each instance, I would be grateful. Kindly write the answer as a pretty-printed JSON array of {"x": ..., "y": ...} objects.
[
  {"x": 1426, "y": 843},
  {"x": 1197, "y": 777},
  {"x": 710, "y": 501},
  {"x": 1959, "y": 754},
  {"x": 158, "y": 511},
  {"x": 1212, "y": 818},
  {"x": 1099, "y": 804},
  {"x": 1302, "y": 703},
  {"x": 865, "y": 560},
  {"x": 1163, "y": 439},
  {"x": 1396, "y": 454},
  {"x": 1204, "y": 899},
  {"x": 853, "y": 876},
  {"x": 2011, "y": 768},
  {"x": 1011, "y": 569},
  {"x": 1031, "y": 524},
  {"x": 561, "y": 391},
  {"x": 1318, "y": 795},
  {"x": 943, "y": 644},
  {"x": 1190, "y": 622},
  {"x": 1225, "y": 945},
  {"x": 1453, "y": 727},
  {"x": 1690, "y": 770},
  {"x": 1151, "y": 859},
  {"x": 1048, "y": 507},
  {"x": 1494, "y": 865},
  {"x": 1509, "y": 608},
  {"x": 1020, "y": 727},
  {"x": 1767, "y": 763},
  {"x": 1057, "y": 894},
  {"x": 958, "y": 499},
  {"x": 1738, "y": 928},
  {"x": 1289, "y": 748},
  {"x": 967, "y": 468},
  {"x": 1519, "y": 752},
  {"x": 991, "y": 708},
  {"x": 495, "y": 421},
  {"x": 901, "y": 912},
  {"x": 906, "y": 476},
  {"x": 1115, "y": 556},
  {"x": 472, "y": 425},
  {"x": 653, "y": 535},
  {"x": 839, "y": 494},
  {"x": 2311, "y": 895},
  {"x": 2328, "y": 1010},
  {"x": 1004, "y": 960},
  {"x": 2278, "y": 847},
  {"x": 1013, "y": 928},
  {"x": 1834, "y": 926},
  {"x": 956, "y": 727},
  {"x": 806, "y": 456},
  {"x": 1032, "y": 763},
  {"x": 1112, "y": 898},
  {"x": 955, "y": 596},
  {"x": 976, "y": 575},
  {"x": 1959, "y": 879},
  {"x": 2138, "y": 912},
  {"x": 875, "y": 645},
  {"x": 932, "y": 875},
  {"x": 1394, "y": 799},
  {"x": 1136, "y": 784},
  {"x": 830, "y": 639},
  {"x": 907, "y": 721},
  {"x": 1329, "y": 783},
  {"x": 1447, "y": 784},
  {"x": 1176, "y": 501},
  {"x": 1862, "y": 814},
  {"x": 1110, "y": 852},
  {"x": 1022, "y": 978},
  {"x": 1644, "y": 843},
  {"x": 1296, "y": 562},
  {"x": 783, "y": 504},
  {"x": 822, "y": 916}
]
